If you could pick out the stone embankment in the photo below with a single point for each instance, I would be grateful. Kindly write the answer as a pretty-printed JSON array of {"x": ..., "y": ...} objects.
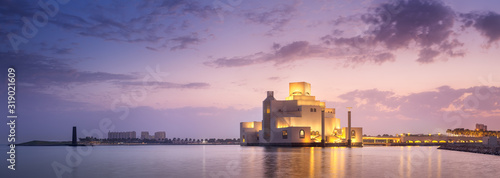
[{"x": 473, "y": 148}]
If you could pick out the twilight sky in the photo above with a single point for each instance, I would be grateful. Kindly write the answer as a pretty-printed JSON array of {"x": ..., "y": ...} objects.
[{"x": 197, "y": 68}]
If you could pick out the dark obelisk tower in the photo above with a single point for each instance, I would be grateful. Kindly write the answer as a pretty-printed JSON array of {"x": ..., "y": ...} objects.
[
  {"x": 349, "y": 126},
  {"x": 73, "y": 142}
]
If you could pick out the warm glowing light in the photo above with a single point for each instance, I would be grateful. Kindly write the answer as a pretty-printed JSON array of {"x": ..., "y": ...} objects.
[
  {"x": 248, "y": 124},
  {"x": 300, "y": 88},
  {"x": 282, "y": 126}
]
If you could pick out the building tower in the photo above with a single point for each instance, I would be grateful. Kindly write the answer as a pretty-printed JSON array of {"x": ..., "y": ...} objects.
[
  {"x": 73, "y": 141},
  {"x": 349, "y": 126},
  {"x": 266, "y": 121},
  {"x": 323, "y": 128}
]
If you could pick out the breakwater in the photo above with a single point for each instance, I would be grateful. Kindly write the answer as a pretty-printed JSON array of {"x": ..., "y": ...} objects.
[{"x": 473, "y": 148}]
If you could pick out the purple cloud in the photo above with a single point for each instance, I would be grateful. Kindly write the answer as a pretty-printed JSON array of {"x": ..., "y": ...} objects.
[
  {"x": 184, "y": 41},
  {"x": 443, "y": 108},
  {"x": 427, "y": 55},
  {"x": 159, "y": 23},
  {"x": 43, "y": 71},
  {"x": 487, "y": 23},
  {"x": 166, "y": 85},
  {"x": 276, "y": 17},
  {"x": 297, "y": 50},
  {"x": 427, "y": 24}
]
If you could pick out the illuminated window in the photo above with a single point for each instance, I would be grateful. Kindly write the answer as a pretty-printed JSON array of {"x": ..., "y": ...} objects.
[
  {"x": 284, "y": 134},
  {"x": 243, "y": 138},
  {"x": 302, "y": 134}
]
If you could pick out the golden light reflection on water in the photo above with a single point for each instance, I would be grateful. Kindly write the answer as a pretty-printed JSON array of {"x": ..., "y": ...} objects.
[
  {"x": 429, "y": 163},
  {"x": 311, "y": 162},
  {"x": 235, "y": 161},
  {"x": 334, "y": 161},
  {"x": 408, "y": 161},
  {"x": 438, "y": 152},
  {"x": 342, "y": 159},
  {"x": 351, "y": 162},
  {"x": 401, "y": 161}
]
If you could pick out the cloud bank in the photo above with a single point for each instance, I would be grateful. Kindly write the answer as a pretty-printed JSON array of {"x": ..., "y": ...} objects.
[{"x": 429, "y": 27}]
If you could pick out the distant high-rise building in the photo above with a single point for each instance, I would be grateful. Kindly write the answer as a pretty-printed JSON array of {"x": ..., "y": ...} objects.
[
  {"x": 481, "y": 127},
  {"x": 160, "y": 135},
  {"x": 145, "y": 135},
  {"x": 122, "y": 135}
]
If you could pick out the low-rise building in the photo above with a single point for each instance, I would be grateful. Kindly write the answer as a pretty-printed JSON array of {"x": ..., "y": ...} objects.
[{"x": 122, "y": 135}]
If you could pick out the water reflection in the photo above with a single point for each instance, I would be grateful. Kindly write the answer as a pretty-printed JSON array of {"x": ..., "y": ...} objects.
[
  {"x": 235, "y": 161},
  {"x": 270, "y": 159},
  {"x": 306, "y": 162},
  {"x": 408, "y": 161},
  {"x": 351, "y": 162},
  {"x": 438, "y": 163}
]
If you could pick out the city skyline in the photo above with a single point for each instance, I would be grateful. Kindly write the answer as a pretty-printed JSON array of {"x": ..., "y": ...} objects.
[{"x": 197, "y": 69}]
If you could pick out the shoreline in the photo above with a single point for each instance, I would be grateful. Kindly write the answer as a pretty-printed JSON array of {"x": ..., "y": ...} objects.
[
  {"x": 476, "y": 148},
  {"x": 68, "y": 143}
]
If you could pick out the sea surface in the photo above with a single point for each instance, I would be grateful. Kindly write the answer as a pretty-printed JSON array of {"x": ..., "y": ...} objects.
[{"x": 237, "y": 161}]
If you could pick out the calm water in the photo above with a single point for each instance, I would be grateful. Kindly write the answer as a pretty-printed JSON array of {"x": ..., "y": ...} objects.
[{"x": 236, "y": 161}]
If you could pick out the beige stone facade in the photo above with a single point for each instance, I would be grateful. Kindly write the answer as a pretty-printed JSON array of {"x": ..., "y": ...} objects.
[{"x": 296, "y": 120}]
